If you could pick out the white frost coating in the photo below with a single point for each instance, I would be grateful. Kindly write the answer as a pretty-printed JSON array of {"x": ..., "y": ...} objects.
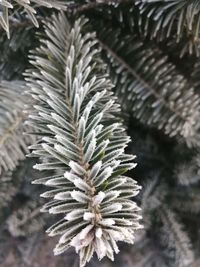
[{"x": 98, "y": 198}]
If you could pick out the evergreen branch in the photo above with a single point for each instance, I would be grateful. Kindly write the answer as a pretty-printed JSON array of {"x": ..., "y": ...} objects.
[
  {"x": 187, "y": 198},
  {"x": 149, "y": 85},
  {"x": 28, "y": 6},
  {"x": 76, "y": 115},
  {"x": 26, "y": 220},
  {"x": 163, "y": 18},
  {"x": 187, "y": 45},
  {"x": 83, "y": 6},
  {"x": 188, "y": 173},
  {"x": 176, "y": 239},
  {"x": 187, "y": 202},
  {"x": 7, "y": 189},
  {"x": 21, "y": 40},
  {"x": 127, "y": 15},
  {"x": 13, "y": 144}
]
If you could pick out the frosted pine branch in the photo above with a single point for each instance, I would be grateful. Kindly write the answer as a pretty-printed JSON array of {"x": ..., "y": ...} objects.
[{"x": 76, "y": 117}]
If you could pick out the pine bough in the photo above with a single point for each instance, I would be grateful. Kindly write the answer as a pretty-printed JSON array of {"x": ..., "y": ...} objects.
[
  {"x": 75, "y": 115},
  {"x": 29, "y": 8},
  {"x": 176, "y": 239},
  {"x": 13, "y": 142},
  {"x": 150, "y": 86},
  {"x": 179, "y": 18},
  {"x": 7, "y": 189},
  {"x": 26, "y": 220}
]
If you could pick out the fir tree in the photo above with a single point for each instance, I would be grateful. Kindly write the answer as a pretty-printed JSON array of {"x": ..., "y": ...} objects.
[{"x": 77, "y": 78}]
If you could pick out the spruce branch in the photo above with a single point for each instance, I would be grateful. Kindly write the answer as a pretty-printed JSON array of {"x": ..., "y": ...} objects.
[
  {"x": 13, "y": 143},
  {"x": 76, "y": 116},
  {"x": 149, "y": 85}
]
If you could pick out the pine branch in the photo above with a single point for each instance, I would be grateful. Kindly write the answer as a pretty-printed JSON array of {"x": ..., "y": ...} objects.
[
  {"x": 7, "y": 189},
  {"x": 76, "y": 115},
  {"x": 185, "y": 196},
  {"x": 13, "y": 144},
  {"x": 145, "y": 253},
  {"x": 176, "y": 239},
  {"x": 127, "y": 15},
  {"x": 149, "y": 85},
  {"x": 83, "y": 6},
  {"x": 187, "y": 45},
  {"x": 21, "y": 40},
  {"x": 9, "y": 9},
  {"x": 186, "y": 202},
  {"x": 188, "y": 173},
  {"x": 163, "y": 18},
  {"x": 26, "y": 220}
]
